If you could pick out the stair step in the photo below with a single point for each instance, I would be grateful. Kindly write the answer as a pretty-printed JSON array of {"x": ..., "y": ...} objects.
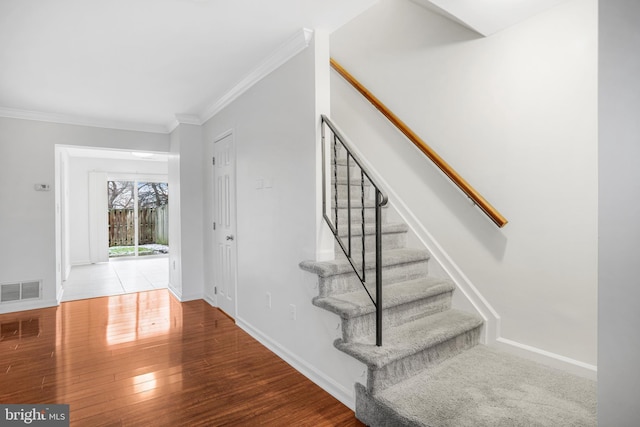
[
  {"x": 482, "y": 387},
  {"x": 411, "y": 347},
  {"x": 342, "y": 266},
  {"x": 394, "y": 236},
  {"x": 402, "y": 302},
  {"x": 337, "y": 276},
  {"x": 355, "y": 181},
  {"x": 356, "y": 210},
  {"x": 370, "y": 229},
  {"x": 356, "y": 203}
]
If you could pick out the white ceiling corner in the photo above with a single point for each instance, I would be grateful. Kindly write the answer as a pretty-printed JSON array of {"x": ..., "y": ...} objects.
[
  {"x": 487, "y": 17},
  {"x": 294, "y": 45}
]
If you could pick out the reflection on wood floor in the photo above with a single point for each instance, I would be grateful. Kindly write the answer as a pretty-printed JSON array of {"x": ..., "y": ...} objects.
[{"x": 146, "y": 359}]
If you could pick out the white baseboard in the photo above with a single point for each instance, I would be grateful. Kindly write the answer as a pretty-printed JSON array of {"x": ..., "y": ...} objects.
[
  {"x": 209, "y": 300},
  {"x": 329, "y": 385},
  {"x": 11, "y": 307},
  {"x": 176, "y": 293},
  {"x": 191, "y": 297},
  {"x": 548, "y": 358}
]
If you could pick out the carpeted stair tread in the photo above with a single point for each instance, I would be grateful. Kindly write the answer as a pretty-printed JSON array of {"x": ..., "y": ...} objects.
[
  {"x": 358, "y": 303},
  {"x": 342, "y": 266},
  {"x": 484, "y": 387},
  {"x": 370, "y": 229},
  {"x": 409, "y": 338},
  {"x": 356, "y": 203},
  {"x": 354, "y": 181}
]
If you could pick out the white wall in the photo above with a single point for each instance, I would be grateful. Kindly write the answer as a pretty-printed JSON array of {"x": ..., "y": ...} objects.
[
  {"x": 186, "y": 274},
  {"x": 619, "y": 214},
  {"x": 275, "y": 128},
  {"x": 78, "y": 195},
  {"x": 27, "y": 217},
  {"x": 516, "y": 114}
]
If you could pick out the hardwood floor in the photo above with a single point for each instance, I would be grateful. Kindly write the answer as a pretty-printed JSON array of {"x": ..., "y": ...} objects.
[{"x": 147, "y": 360}]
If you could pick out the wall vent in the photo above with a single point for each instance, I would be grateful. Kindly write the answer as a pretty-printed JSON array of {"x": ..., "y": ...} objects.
[{"x": 10, "y": 292}]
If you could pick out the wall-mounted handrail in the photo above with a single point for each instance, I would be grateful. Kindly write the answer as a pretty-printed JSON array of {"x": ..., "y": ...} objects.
[
  {"x": 460, "y": 182},
  {"x": 340, "y": 148}
]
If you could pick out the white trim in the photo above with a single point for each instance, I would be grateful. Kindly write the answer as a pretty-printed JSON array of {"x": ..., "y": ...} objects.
[
  {"x": 209, "y": 300},
  {"x": 81, "y": 121},
  {"x": 32, "y": 304},
  {"x": 548, "y": 358},
  {"x": 188, "y": 119},
  {"x": 184, "y": 119},
  {"x": 191, "y": 297},
  {"x": 294, "y": 45},
  {"x": 177, "y": 294},
  {"x": 323, "y": 381}
]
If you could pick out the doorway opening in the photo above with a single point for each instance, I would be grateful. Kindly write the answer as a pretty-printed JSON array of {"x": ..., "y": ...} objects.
[
  {"x": 84, "y": 267},
  {"x": 138, "y": 218}
]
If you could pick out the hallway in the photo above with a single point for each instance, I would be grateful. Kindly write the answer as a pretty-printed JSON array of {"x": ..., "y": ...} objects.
[{"x": 117, "y": 277}]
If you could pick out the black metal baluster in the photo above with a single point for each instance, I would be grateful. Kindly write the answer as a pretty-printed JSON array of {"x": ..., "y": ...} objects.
[
  {"x": 378, "y": 270},
  {"x": 380, "y": 200},
  {"x": 324, "y": 171},
  {"x": 349, "y": 201},
  {"x": 364, "y": 278},
  {"x": 335, "y": 179}
]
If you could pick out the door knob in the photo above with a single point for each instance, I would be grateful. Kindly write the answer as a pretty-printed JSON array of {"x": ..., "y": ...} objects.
[{"x": 230, "y": 237}]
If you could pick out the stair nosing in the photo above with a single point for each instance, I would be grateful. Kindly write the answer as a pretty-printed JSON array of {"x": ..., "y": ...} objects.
[
  {"x": 393, "y": 350},
  {"x": 370, "y": 229},
  {"x": 392, "y": 257},
  {"x": 339, "y": 306}
]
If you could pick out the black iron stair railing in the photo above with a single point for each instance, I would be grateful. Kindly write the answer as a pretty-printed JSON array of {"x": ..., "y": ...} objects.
[{"x": 344, "y": 156}]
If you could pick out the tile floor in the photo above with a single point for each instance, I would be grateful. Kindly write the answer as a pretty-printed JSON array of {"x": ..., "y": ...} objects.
[{"x": 117, "y": 277}]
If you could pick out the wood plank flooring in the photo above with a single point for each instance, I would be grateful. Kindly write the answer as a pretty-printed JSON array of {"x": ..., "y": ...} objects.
[{"x": 146, "y": 359}]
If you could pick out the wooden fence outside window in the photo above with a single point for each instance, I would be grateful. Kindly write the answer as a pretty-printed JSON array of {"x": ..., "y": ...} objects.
[{"x": 153, "y": 226}]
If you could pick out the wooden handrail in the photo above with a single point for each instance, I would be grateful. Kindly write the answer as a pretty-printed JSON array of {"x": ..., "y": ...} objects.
[{"x": 466, "y": 188}]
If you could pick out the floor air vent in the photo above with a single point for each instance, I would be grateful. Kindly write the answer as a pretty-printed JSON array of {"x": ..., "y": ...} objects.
[{"x": 19, "y": 291}]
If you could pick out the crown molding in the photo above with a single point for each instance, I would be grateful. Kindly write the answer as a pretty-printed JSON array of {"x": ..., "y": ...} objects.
[
  {"x": 294, "y": 45},
  {"x": 80, "y": 121},
  {"x": 291, "y": 47},
  {"x": 188, "y": 119},
  {"x": 183, "y": 119}
]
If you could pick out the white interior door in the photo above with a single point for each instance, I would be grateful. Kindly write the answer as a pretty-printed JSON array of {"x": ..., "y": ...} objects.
[{"x": 225, "y": 223}]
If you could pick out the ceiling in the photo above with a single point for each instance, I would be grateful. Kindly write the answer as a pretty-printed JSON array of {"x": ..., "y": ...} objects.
[
  {"x": 135, "y": 64},
  {"x": 487, "y": 17},
  {"x": 145, "y": 64}
]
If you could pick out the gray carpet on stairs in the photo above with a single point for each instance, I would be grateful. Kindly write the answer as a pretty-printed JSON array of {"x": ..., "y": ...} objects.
[{"x": 484, "y": 387}]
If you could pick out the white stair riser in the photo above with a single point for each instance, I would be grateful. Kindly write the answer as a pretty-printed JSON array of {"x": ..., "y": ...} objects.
[{"x": 361, "y": 326}]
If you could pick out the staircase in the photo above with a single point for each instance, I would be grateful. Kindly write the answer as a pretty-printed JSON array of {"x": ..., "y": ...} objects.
[{"x": 430, "y": 370}]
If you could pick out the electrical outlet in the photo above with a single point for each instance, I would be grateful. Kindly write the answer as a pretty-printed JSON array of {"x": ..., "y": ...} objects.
[
  {"x": 268, "y": 300},
  {"x": 292, "y": 311}
]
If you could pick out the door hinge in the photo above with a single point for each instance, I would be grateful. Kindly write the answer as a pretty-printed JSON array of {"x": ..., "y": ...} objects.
[
  {"x": 214, "y": 225},
  {"x": 215, "y": 290},
  {"x": 214, "y": 161}
]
